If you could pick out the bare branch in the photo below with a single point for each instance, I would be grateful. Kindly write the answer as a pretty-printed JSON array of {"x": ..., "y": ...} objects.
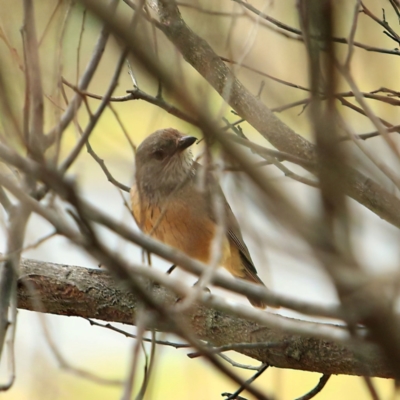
[
  {"x": 321, "y": 384},
  {"x": 11, "y": 344},
  {"x": 137, "y": 94},
  {"x": 57, "y": 6},
  {"x": 287, "y": 28},
  {"x": 365, "y": 344},
  {"x": 129, "y": 382},
  {"x": 103, "y": 166},
  {"x": 353, "y": 30},
  {"x": 54, "y": 181},
  {"x": 5, "y": 201},
  {"x": 371, "y": 388},
  {"x": 233, "y": 396},
  {"x": 83, "y": 83},
  {"x": 392, "y": 33},
  {"x": 18, "y": 217},
  {"x": 94, "y": 118},
  {"x": 35, "y": 140},
  {"x": 307, "y": 353},
  {"x": 130, "y": 335},
  {"x": 199, "y": 54},
  {"x": 238, "y": 365}
]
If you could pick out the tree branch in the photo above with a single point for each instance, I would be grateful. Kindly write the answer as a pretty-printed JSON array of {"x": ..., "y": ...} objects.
[
  {"x": 83, "y": 83},
  {"x": 198, "y": 53},
  {"x": 18, "y": 218},
  {"x": 35, "y": 140},
  {"x": 89, "y": 293}
]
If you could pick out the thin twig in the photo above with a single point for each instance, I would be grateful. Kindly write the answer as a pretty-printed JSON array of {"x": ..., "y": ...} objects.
[
  {"x": 264, "y": 151},
  {"x": 137, "y": 94},
  {"x": 130, "y": 335},
  {"x": 312, "y": 393},
  {"x": 49, "y": 22},
  {"x": 85, "y": 93},
  {"x": 149, "y": 366},
  {"x": 371, "y": 387},
  {"x": 131, "y": 74},
  {"x": 352, "y": 35},
  {"x": 32, "y": 246},
  {"x": 78, "y": 49},
  {"x": 11, "y": 344},
  {"x": 136, "y": 346},
  {"x": 210, "y": 12},
  {"x": 391, "y": 32},
  {"x": 106, "y": 171},
  {"x": 65, "y": 365},
  {"x": 83, "y": 82},
  {"x": 365, "y": 136},
  {"x": 94, "y": 119},
  {"x": 35, "y": 140},
  {"x": 125, "y": 132},
  {"x": 234, "y": 396},
  {"x": 283, "y": 82},
  {"x": 236, "y": 364},
  {"x": 59, "y": 68},
  {"x": 299, "y": 36},
  {"x": 18, "y": 218},
  {"x": 395, "y": 6},
  {"x": 5, "y": 201},
  {"x": 379, "y": 126},
  {"x": 239, "y": 346}
]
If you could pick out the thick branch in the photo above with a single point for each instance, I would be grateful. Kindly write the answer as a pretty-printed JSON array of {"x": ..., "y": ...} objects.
[
  {"x": 198, "y": 53},
  {"x": 77, "y": 291}
]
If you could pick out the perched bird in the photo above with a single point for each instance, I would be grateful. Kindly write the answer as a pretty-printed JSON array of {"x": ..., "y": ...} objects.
[{"x": 168, "y": 204}]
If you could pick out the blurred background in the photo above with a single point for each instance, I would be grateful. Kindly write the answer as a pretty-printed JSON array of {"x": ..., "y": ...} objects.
[{"x": 67, "y": 35}]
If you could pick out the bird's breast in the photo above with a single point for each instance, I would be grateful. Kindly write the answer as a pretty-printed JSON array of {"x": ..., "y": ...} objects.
[{"x": 180, "y": 222}]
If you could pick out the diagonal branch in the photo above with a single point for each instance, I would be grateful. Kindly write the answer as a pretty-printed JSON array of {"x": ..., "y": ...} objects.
[
  {"x": 96, "y": 116},
  {"x": 209, "y": 65},
  {"x": 198, "y": 53}
]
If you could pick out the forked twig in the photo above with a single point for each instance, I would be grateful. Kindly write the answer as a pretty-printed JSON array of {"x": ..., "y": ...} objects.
[{"x": 234, "y": 396}]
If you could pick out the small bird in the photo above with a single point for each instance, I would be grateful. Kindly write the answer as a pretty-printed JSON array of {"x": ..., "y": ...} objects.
[{"x": 168, "y": 204}]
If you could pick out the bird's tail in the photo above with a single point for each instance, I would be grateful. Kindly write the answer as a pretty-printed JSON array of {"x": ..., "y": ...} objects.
[{"x": 251, "y": 277}]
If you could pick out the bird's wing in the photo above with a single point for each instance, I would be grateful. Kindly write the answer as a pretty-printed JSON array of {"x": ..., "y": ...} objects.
[
  {"x": 234, "y": 234},
  {"x": 232, "y": 227}
]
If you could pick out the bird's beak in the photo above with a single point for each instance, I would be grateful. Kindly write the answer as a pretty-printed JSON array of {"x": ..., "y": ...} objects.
[{"x": 185, "y": 142}]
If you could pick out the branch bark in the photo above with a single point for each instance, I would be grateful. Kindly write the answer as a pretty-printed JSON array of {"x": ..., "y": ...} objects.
[{"x": 90, "y": 293}]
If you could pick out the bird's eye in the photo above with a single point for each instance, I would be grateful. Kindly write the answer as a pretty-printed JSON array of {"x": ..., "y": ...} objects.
[{"x": 159, "y": 155}]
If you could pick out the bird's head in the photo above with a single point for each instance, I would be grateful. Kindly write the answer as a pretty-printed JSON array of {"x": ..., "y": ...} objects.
[{"x": 164, "y": 161}]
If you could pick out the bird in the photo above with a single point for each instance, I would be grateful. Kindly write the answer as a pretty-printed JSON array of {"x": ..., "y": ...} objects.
[{"x": 168, "y": 204}]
